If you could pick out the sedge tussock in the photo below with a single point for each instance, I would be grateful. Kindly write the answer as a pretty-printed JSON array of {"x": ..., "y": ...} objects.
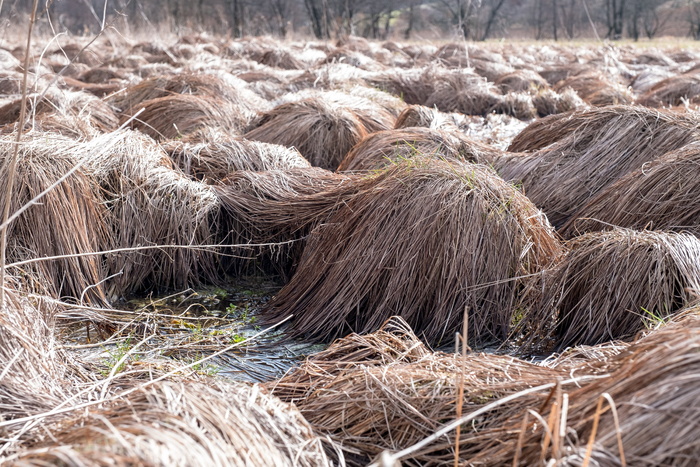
[
  {"x": 35, "y": 377},
  {"x": 211, "y": 155},
  {"x": 386, "y": 391},
  {"x": 278, "y": 207},
  {"x": 653, "y": 385},
  {"x": 521, "y": 81},
  {"x": 611, "y": 285},
  {"x": 70, "y": 219},
  {"x": 596, "y": 89},
  {"x": 197, "y": 84},
  {"x": 152, "y": 203},
  {"x": 386, "y": 147},
  {"x": 181, "y": 424},
  {"x": 662, "y": 195},
  {"x": 673, "y": 91},
  {"x": 517, "y": 104},
  {"x": 548, "y": 102},
  {"x": 64, "y": 104},
  {"x": 171, "y": 117},
  {"x": 581, "y": 153},
  {"x": 422, "y": 116},
  {"x": 459, "y": 92},
  {"x": 132, "y": 419},
  {"x": 460, "y": 228},
  {"x": 321, "y": 130},
  {"x": 374, "y": 112}
]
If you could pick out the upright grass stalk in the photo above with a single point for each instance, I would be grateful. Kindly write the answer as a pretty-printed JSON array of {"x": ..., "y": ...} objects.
[{"x": 15, "y": 153}]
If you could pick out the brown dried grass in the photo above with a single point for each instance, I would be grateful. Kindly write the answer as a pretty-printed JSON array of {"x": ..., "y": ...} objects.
[
  {"x": 172, "y": 117},
  {"x": 654, "y": 388},
  {"x": 70, "y": 219},
  {"x": 521, "y": 81},
  {"x": 596, "y": 89},
  {"x": 211, "y": 156},
  {"x": 611, "y": 285},
  {"x": 222, "y": 87},
  {"x": 555, "y": 74},
  {"x": 662, "y": 195},
  {"x": 385, "y": 391},
  {"x": 321, "y": 131},
  {"x": 673, "y": 91},
  {"x": 517, "y": 104},
  {"x": 55, "y": 411},
  {"x": 387, "y": 147},
  {"x": 459, "y": 228},
  {"x": 152, "y": 203},
  {"x": 422, "y": 116},
  {"x": 181, "y": 424},
  {"x": 548, "y": 102},
  {"x": 35, "y": 376},
  {"x": 460, "y": 92},
  {"x": 584, "y": 152},
  {"x": 281, "y": 58},
  {"x": 64, "y": 104},
  {"x": 278, "y": 209}
]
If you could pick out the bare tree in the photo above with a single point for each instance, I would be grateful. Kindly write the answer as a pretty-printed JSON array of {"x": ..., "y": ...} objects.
[{"x": 615, "y": 11}]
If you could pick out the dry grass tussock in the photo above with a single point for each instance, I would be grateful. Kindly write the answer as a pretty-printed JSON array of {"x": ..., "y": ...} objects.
[
  {"x": 673, "y": 91},
  {"x": 63, "y": 104},
  {"x": 212, "y": 155},
  {"x": 385, "y": 392},
  {"x": 422, "y": 116},
  {"x": 181, "y": 424},
  {"x": 521, "y": 81},
  {"x": 548, "y": 102},
  {"x": 224, "y": 87},
  {"x": 597, "y": 89},
  {"x": 69, "y": 219},
  {"x": 152, "y": 203},
  {"x": 475, "y": 239},
  {"x": 35, "y": 376},
  {"x": 454, "y": 91},
  {"x": 376, "y": 110},
  {"x": 172, "y": 117},
  {"x": 55, "y": 412},
  {"x": 278, "y": 207},
  {"x": 460, "y": 92},
  {"x": 386, "y": 147},
  {"x": 662, "y": 195},
  {"x": 612, "y": 285},
  {"x": 319, "y": 128},
  {"x": 583, "y": 152}
]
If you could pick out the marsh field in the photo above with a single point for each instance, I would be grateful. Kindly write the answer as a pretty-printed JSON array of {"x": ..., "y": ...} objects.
[{"x": 267, "y": 252}]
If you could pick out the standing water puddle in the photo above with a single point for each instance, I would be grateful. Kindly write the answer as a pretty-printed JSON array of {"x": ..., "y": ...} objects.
[{"x": 190, "y": 325}]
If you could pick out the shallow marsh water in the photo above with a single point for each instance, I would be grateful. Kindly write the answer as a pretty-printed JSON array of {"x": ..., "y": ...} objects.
[{"x": 189, "y": 325}]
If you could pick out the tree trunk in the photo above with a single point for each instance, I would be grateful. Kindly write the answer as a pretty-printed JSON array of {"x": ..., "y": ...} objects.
[
  {"x": 491, "y": 19},
  {"x": 409, "y": 27},
  {"x": 316, "y": 17}
]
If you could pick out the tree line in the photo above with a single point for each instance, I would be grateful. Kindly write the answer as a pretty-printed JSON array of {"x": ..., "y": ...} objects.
[{"x": 380, "y": 19}]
